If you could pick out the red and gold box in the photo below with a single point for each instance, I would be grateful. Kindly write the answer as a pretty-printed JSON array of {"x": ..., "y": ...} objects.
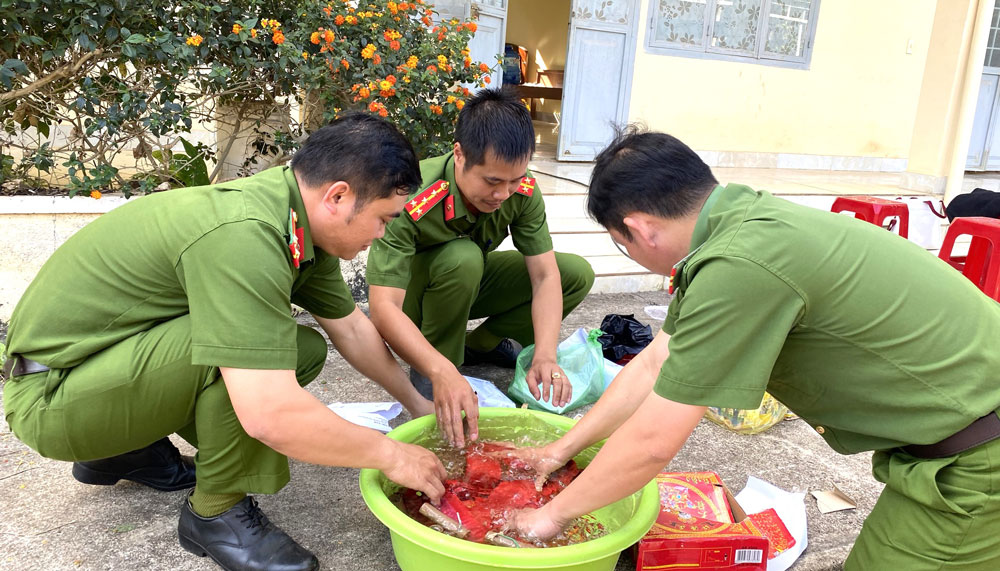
[{"x": 701, "y": 526}]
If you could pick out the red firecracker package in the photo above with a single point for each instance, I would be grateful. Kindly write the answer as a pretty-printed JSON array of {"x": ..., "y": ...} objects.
[
  {"x": 774, "y": 529},
  {"x": 700, "y": 526}
]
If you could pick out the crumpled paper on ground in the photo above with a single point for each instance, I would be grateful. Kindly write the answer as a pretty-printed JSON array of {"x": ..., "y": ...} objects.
[{"x": 758, "y": 496}]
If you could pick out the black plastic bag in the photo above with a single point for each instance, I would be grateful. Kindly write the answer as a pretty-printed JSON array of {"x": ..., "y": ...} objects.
[
  {"x": 979, "y": 202},
  {"x": 623, "y": 337}
]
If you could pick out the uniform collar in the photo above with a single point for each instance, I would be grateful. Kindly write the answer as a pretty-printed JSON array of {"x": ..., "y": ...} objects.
[
  {"x": 701, "y": 227},
  {"x": 296, "y": 204},
  {"x": 461, "y": 210}
]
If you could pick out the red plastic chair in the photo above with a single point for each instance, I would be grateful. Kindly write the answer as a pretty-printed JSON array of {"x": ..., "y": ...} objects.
[
  {"x": 982, "y": 265},
  {"x": 874, "y": 210}
]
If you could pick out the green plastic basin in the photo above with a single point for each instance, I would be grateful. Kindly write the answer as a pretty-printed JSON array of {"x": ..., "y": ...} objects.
[{"x": 419, "y": 548}]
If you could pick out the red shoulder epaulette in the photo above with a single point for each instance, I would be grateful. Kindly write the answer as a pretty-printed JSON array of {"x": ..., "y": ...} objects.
[
  {"x": 527, "y": 186},
  {"x": 423, "y": 202}
]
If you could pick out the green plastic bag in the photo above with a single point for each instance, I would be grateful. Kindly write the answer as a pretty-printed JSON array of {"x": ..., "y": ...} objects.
[{"x": 583, "y": 364}]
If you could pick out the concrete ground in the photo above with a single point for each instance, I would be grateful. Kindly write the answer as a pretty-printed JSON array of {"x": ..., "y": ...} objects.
[{"x": 48, "y": 521}]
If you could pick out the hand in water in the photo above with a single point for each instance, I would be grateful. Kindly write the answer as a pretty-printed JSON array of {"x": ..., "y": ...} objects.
[
  {"x": 534, "y": 524},
  {"x": 541, "y": 459}
]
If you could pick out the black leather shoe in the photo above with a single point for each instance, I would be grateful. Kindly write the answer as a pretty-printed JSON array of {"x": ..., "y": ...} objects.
[
  {"x": 503, "y": 355},
  {"x": 422, "y": 384},
  {"x": 159, "y": 466},
  {"x": 242, "y": 539}
]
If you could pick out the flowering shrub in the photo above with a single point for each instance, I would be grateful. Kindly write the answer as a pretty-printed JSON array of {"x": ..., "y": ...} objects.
[
  {"x": 84, "y": 83},
  {"x": 392, "y": 59}
]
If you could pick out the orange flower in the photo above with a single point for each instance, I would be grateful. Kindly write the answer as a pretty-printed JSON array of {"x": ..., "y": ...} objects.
[
  {"x": 237, "y": 28},
  {"x": 278, "y": 38},
  {"x": 364, "y": 92},
  {"x": 404, "y": 6},
  {"x": 437, "y": 109},
  {"x": 383, "y": 112},
  {"x": 377, "y": 59},
  {"x": 465, "y": 91},
  {"x": 484, "y": 68},
  {"x": 393, "y": 7},
  {"x": 451, "y": 99},
  {"x": 432, "y": 68},
  {"x": 373, "y": 106},
  {"x": 411, "y": 62},
  {"x": 95, "y": 194},
  {"x": 448, "y": 68},
  {"x": 328, "y": 10},
  {"x": 442, "y": 60},
  {"x": 385, "y": 85},
  {"x": 391, "y": 79},
  {"x": 345, "y": 63},
  {"x": 352, "y": 20},
  {"x": 305, "y": 55},
  {"x": 426, "y": 21},
  {"x": 440, "y": 36},
  {"x": 253, "y": 32},
  {"x": 394, "y": 45},
  {"x": 314, "y": 37},
  {"x": 339, "y": 19},
  {"x": 387, "y": 92},
  {"x": 195, "y": 40},
  {"x": 487, "y": 80},
  {"x": 368, "y": 51},
  {"x": 472, "y": 27},
  {"x": 460, "y": 104},
  {"x": 328, "y": 36},
  {"x": 467, "y": 63}
]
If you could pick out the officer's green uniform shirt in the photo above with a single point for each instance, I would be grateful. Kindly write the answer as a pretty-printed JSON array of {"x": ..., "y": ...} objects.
[
  {"x": 523, "y": 217},
  {"x": 220, "y": 253},
  {"x": 837, "y": 318}
]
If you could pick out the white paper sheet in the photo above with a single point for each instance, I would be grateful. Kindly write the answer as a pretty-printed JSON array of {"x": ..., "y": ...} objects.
[
  {"x": 759, "y": 496},
  {"x": 368, "y": 414}
]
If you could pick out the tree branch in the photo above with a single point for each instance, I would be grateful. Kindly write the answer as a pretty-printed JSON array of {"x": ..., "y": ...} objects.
[{"x": 61, "y": 72}]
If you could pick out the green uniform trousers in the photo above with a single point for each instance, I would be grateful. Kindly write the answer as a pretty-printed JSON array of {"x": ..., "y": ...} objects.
[
  {"x": 933, "y": 514},
  {"x": 142, "y": 389},
  {"x": 455, "y": 282}
]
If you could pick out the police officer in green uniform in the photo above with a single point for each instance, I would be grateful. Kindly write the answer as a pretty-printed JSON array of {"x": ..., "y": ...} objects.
[
  {"x": 876, "y": 343},
  {"x": 436, "y": 267},
  {"x": 172, "y": 314}
]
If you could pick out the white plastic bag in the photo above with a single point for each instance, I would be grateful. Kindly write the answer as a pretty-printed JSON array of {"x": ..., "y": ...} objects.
[
  {"x": 489, "y": 395},
  {"x": 927, "y": 219}
]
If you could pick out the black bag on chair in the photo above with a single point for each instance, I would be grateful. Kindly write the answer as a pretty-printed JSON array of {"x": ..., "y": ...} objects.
[{"x": 979, "y": 202}]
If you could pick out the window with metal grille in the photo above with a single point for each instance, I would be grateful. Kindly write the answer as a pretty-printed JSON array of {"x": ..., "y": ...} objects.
[{"x": 773, "y": 32}]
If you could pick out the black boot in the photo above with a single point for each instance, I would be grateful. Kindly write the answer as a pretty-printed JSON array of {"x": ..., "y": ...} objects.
[
  {"x": 159, "y": 466},
  {"x": 503, "y": 355},
  {"x": 422, "y": 384},
  {"x": 243, "y": 539}
]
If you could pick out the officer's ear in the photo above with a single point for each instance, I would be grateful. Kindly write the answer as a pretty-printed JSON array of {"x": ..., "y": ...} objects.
[
  {"x": 641, "y": 226},
  {"x": 459, "y": 156},
  {"x": 338, "y": 195}
]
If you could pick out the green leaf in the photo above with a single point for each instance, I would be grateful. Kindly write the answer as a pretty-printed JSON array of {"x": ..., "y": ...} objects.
[
  {"x": 123, "y": 528},
  {"x": 134, "y": 38}
]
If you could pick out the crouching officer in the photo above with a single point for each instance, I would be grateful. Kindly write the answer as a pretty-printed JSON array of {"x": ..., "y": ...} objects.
[
  {"x": 172, "y": 314},
  {"x": 827, "y": 313},
  {"x": 436, "y": 267}
]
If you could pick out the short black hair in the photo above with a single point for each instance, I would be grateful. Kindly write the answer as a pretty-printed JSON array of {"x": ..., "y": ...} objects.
[
  {"x": 367, "y": 152},
  {"x": 643, "y": 171},
  {"x": 497, "y": 120}
]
